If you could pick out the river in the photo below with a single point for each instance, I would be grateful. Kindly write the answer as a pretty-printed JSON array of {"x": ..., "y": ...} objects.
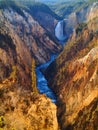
[{"x": 42, "y": 82}]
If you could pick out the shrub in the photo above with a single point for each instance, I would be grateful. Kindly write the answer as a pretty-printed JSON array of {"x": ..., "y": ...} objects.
[
  {"x": 80, "y": 27},
  {"x": 2, "y": 121}
]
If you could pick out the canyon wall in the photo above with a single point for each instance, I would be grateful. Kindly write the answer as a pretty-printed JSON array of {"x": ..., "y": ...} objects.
[
  {"x": 33, "y": 34},
  {"x": 74, "y": 78},
  {"x": 21, "y": 105}
]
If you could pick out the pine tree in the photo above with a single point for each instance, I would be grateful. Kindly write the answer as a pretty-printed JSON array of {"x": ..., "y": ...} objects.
[{"x": 34, "y": 86}]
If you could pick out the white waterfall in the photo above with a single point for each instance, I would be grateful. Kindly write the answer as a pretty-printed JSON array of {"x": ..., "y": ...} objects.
[{"x": 59, "y": 31}]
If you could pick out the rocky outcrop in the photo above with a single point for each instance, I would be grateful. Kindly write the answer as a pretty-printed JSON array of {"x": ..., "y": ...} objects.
[
  {"x": 87, "y": 118},
  {"x": 21, "y": 109},
  {"x": 75, "y": 79},
  {"x": 15, "y": 58}
]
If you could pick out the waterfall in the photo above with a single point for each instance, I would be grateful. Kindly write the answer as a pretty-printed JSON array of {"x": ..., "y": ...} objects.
[{"x": 59, "y": 31}]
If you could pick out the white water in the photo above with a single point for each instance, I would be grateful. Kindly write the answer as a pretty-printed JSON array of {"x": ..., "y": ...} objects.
[{"x": 59, "y": 31}]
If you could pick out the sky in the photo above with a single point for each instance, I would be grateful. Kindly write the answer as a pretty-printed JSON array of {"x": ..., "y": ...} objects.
[{"x": 53, "y": 0}]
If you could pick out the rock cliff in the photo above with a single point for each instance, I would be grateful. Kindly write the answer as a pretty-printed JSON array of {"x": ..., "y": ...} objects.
[
  {"x": 75, "y": 79},
  {"x": 21, "y": 105},
  {"x": 45, "y": 16},
  {"x": 33, "y": 34},
  {"x": 15, "y": 58}
]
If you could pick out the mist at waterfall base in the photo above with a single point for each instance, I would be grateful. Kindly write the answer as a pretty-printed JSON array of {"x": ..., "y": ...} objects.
[{"x": 41, "y": 80}]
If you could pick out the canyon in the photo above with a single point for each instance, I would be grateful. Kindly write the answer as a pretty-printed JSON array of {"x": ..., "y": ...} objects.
[{"x": 48, "y": 67}]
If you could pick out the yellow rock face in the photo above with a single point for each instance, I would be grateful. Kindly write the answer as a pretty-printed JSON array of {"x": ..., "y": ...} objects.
[{"x": 23, "y": 110}]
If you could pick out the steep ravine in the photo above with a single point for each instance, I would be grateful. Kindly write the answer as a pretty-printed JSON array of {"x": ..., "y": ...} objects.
[{"x": 42, "y": 82}]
